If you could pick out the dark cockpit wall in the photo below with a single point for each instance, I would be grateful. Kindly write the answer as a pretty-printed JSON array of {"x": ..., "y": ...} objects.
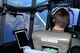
[
  {"x": 1, "y": 10},
  {"x": 1, "y": 6},
  {"x": 76, "y": 4}
]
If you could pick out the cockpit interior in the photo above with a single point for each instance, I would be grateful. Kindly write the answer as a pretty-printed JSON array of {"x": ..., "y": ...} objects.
[{"x": 26, "y": 26}]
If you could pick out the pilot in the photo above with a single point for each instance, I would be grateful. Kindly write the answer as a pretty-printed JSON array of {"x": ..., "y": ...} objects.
[{"x": 61, "y": 19}]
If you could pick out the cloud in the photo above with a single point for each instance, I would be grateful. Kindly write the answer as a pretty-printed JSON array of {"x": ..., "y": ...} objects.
[{"x": 19, "y": 2}]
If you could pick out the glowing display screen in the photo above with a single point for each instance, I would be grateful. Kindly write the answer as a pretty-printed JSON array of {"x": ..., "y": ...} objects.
[{"x": 21, "y": 38}]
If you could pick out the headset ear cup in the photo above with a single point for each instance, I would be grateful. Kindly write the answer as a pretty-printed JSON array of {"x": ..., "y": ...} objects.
[{"x": 52, "y": 22}]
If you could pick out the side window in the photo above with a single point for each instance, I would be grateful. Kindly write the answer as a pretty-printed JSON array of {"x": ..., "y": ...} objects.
[
  {"x": 40, "y": 20},
  {"x": 14, "y": 23}
]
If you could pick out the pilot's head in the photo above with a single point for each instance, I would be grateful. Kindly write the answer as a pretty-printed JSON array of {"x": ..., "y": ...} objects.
[{"x": 61, "y": 17}]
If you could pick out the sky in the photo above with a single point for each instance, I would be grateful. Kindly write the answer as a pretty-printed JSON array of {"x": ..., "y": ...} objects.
[{"x": 20, "y": 2}]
